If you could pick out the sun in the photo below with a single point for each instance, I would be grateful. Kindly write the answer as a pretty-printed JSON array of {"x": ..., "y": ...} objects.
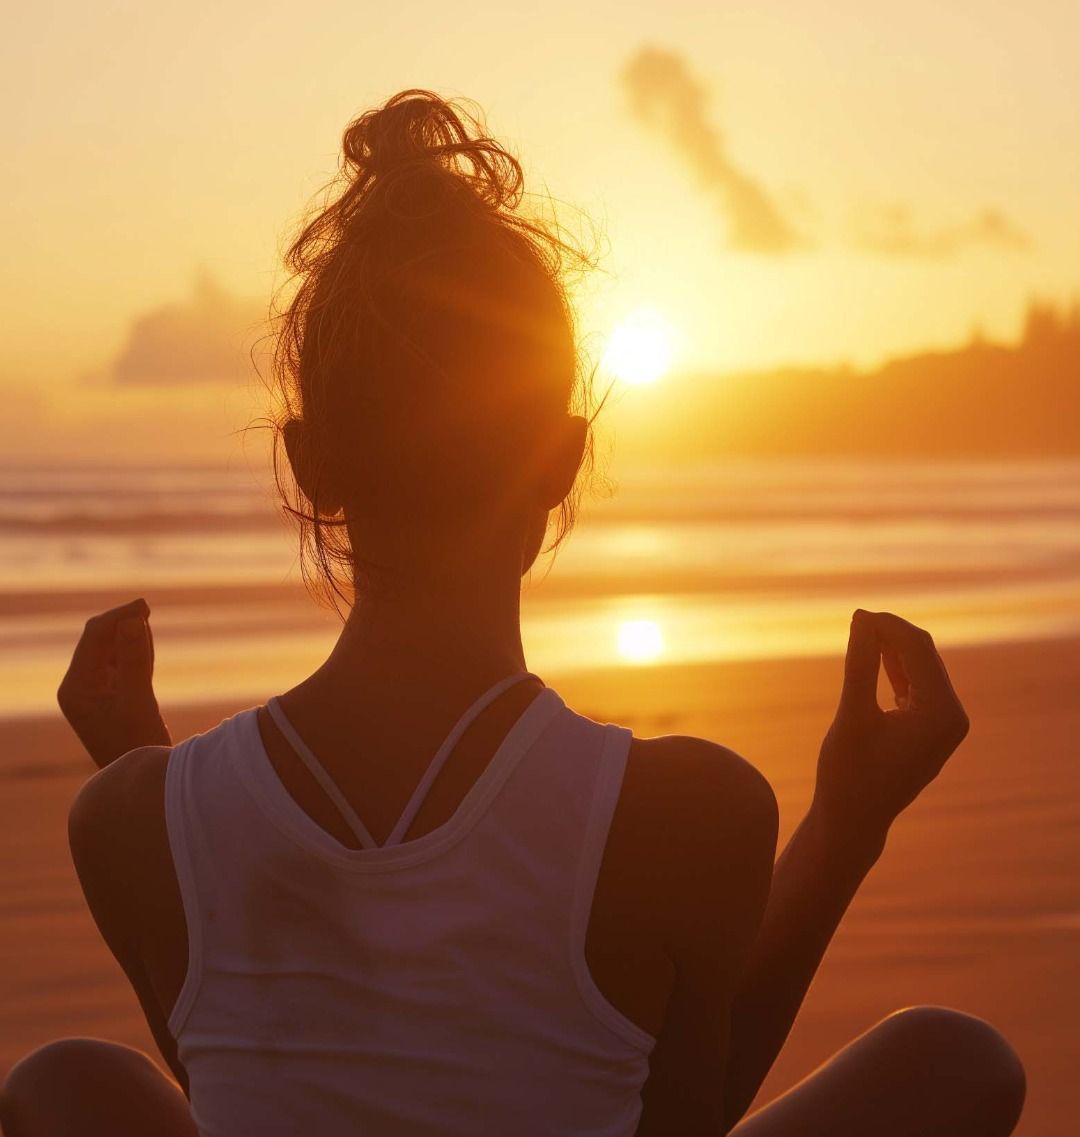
[
  {"x": 639, "y": 350},
  {"x": 640, "y": 641}
]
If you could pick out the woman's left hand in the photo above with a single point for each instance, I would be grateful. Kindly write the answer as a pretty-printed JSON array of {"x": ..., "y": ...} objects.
[{"x": 107, "y": 694}]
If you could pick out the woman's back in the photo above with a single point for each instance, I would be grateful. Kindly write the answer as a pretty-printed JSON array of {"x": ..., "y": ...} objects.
[{"x": 436, "y": 985}]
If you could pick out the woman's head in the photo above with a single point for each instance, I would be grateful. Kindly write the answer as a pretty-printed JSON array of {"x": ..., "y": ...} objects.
[{"x": 428, "y": 372}]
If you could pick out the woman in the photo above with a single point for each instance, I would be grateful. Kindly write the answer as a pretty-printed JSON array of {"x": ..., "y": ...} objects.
[{"x": 551, "y": 928}]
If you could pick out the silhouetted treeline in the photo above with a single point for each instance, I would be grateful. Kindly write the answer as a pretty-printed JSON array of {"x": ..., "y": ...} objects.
[{"x": 981, "y": 400}]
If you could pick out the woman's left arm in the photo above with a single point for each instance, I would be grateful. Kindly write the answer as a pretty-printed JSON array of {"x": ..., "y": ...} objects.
[
  {"x": 116, "y": 832},
  {"x": 107, "y": 694}
]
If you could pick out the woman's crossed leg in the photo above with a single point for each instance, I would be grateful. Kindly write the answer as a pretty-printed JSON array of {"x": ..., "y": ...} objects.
[
  {"x": 922, "y": 1072},
  {"x": 85, "y": 1087}
]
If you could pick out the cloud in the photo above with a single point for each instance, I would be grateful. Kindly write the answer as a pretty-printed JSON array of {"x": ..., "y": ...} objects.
[
  {"x": 890, "y": 231},
  {"x": 204, "y": 339},
  {"x": 668, "y": 100}
]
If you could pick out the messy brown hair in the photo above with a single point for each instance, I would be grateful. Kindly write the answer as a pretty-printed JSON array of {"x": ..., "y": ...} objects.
[{"x": 428, "y": 333}]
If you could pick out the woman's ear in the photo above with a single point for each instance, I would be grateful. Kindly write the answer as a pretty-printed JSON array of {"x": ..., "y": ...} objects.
[
  {"x": 311, "y": 473},
  {"x": 562, "y": 460},
  {"x": 565, "y": 456}
]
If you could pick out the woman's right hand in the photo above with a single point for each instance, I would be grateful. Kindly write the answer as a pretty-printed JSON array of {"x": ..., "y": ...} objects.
[{"x": 874, "y": 763}]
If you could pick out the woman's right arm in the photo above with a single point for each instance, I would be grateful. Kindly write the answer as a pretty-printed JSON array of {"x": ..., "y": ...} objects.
[
  {"x": 746, "y": 941},
  {"x": 873, "y": 764},
  {"x": 711, "y": 824}
]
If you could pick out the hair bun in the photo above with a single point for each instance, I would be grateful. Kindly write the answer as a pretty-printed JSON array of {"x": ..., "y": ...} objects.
[
  {"x": 410, "y": 127},
  {"x": 419, "y": 131}
]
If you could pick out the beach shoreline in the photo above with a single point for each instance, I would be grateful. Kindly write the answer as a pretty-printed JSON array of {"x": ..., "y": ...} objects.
[{"x": 974, "y": 904}]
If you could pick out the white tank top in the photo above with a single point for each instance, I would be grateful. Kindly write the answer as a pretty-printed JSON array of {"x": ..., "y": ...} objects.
[{"x": 430, "y": 988}]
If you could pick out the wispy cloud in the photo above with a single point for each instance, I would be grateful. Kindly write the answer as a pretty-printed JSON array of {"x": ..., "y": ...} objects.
[
  {"x": 204, "y": 339},
  {"x": 666, "y": 98},
  {"x": 891, "y": 231}
]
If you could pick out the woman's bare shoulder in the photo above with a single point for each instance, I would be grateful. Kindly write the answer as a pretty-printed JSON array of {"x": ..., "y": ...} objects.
[
  {"x": 688, "y": 812},
  {"x": 698, "y": 782},
  {"x": 118, "y": 815},
  {"x": 130, "y": 783}
]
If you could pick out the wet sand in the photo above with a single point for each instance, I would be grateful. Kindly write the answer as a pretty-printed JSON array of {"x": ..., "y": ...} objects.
[{"x": 976, "y": 903}]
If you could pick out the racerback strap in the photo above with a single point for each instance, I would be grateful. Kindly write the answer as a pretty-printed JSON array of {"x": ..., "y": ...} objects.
[{"x": 412, "y": 807}]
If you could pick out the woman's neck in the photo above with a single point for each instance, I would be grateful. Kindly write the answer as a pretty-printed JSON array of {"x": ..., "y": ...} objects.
[{"x": 460, "y": 629}]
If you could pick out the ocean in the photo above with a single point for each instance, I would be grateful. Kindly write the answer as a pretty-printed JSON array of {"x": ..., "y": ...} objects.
[{"x": 681, "y": 564}]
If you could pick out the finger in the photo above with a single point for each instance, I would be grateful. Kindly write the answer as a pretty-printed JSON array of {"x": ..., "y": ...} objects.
[
  {"x": 861, "y": 664},
  {"x": 134, "y": 662},
  {"x": 97, "y": 642},
  {"x": 898, "y": 679},
  {"x": 915, "y": 650},
  {"x": 150, "y": 637}
]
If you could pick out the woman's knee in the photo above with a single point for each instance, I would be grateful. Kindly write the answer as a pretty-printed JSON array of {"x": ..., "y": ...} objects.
[
  {"x": 966, "y": 1052},
  {"x": 76, "y": 1058},
  {"x": 60, "y": 1070}
]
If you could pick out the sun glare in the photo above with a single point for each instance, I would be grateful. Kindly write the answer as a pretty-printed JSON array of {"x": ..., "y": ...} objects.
[
  {"x": 639, "y": 349},
  {"x": 640, "y": 641}
]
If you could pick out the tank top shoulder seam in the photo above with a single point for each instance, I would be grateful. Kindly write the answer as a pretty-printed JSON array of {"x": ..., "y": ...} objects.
[
  {"x": 177, "y": 830},
  {"x": 609, "y": 778}
]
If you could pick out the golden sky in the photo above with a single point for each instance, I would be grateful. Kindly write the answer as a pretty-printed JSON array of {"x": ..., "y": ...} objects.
[{"x": 782, "y": 180}]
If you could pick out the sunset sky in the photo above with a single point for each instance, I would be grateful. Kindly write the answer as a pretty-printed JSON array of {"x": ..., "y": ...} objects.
[{"x": 781, "y": 182}]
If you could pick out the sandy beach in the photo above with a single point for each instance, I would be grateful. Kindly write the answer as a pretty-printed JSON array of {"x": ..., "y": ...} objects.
[{"x": 976, "y": 903}]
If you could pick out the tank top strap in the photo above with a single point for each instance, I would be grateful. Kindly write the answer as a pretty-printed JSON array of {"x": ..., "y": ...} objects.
[
  {"x": 414, "y": 803},
  {"x": 412, "y": 807},
  {"x": 318, "y": 772}
]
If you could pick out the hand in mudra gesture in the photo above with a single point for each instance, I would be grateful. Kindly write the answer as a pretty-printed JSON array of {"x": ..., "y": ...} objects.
[
  {"x": 874, "y": 762},
  {"x": 107, "y": 694}
]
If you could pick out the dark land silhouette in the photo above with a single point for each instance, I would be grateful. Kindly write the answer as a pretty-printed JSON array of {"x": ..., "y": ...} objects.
[{"x": 982, "y": 400}]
